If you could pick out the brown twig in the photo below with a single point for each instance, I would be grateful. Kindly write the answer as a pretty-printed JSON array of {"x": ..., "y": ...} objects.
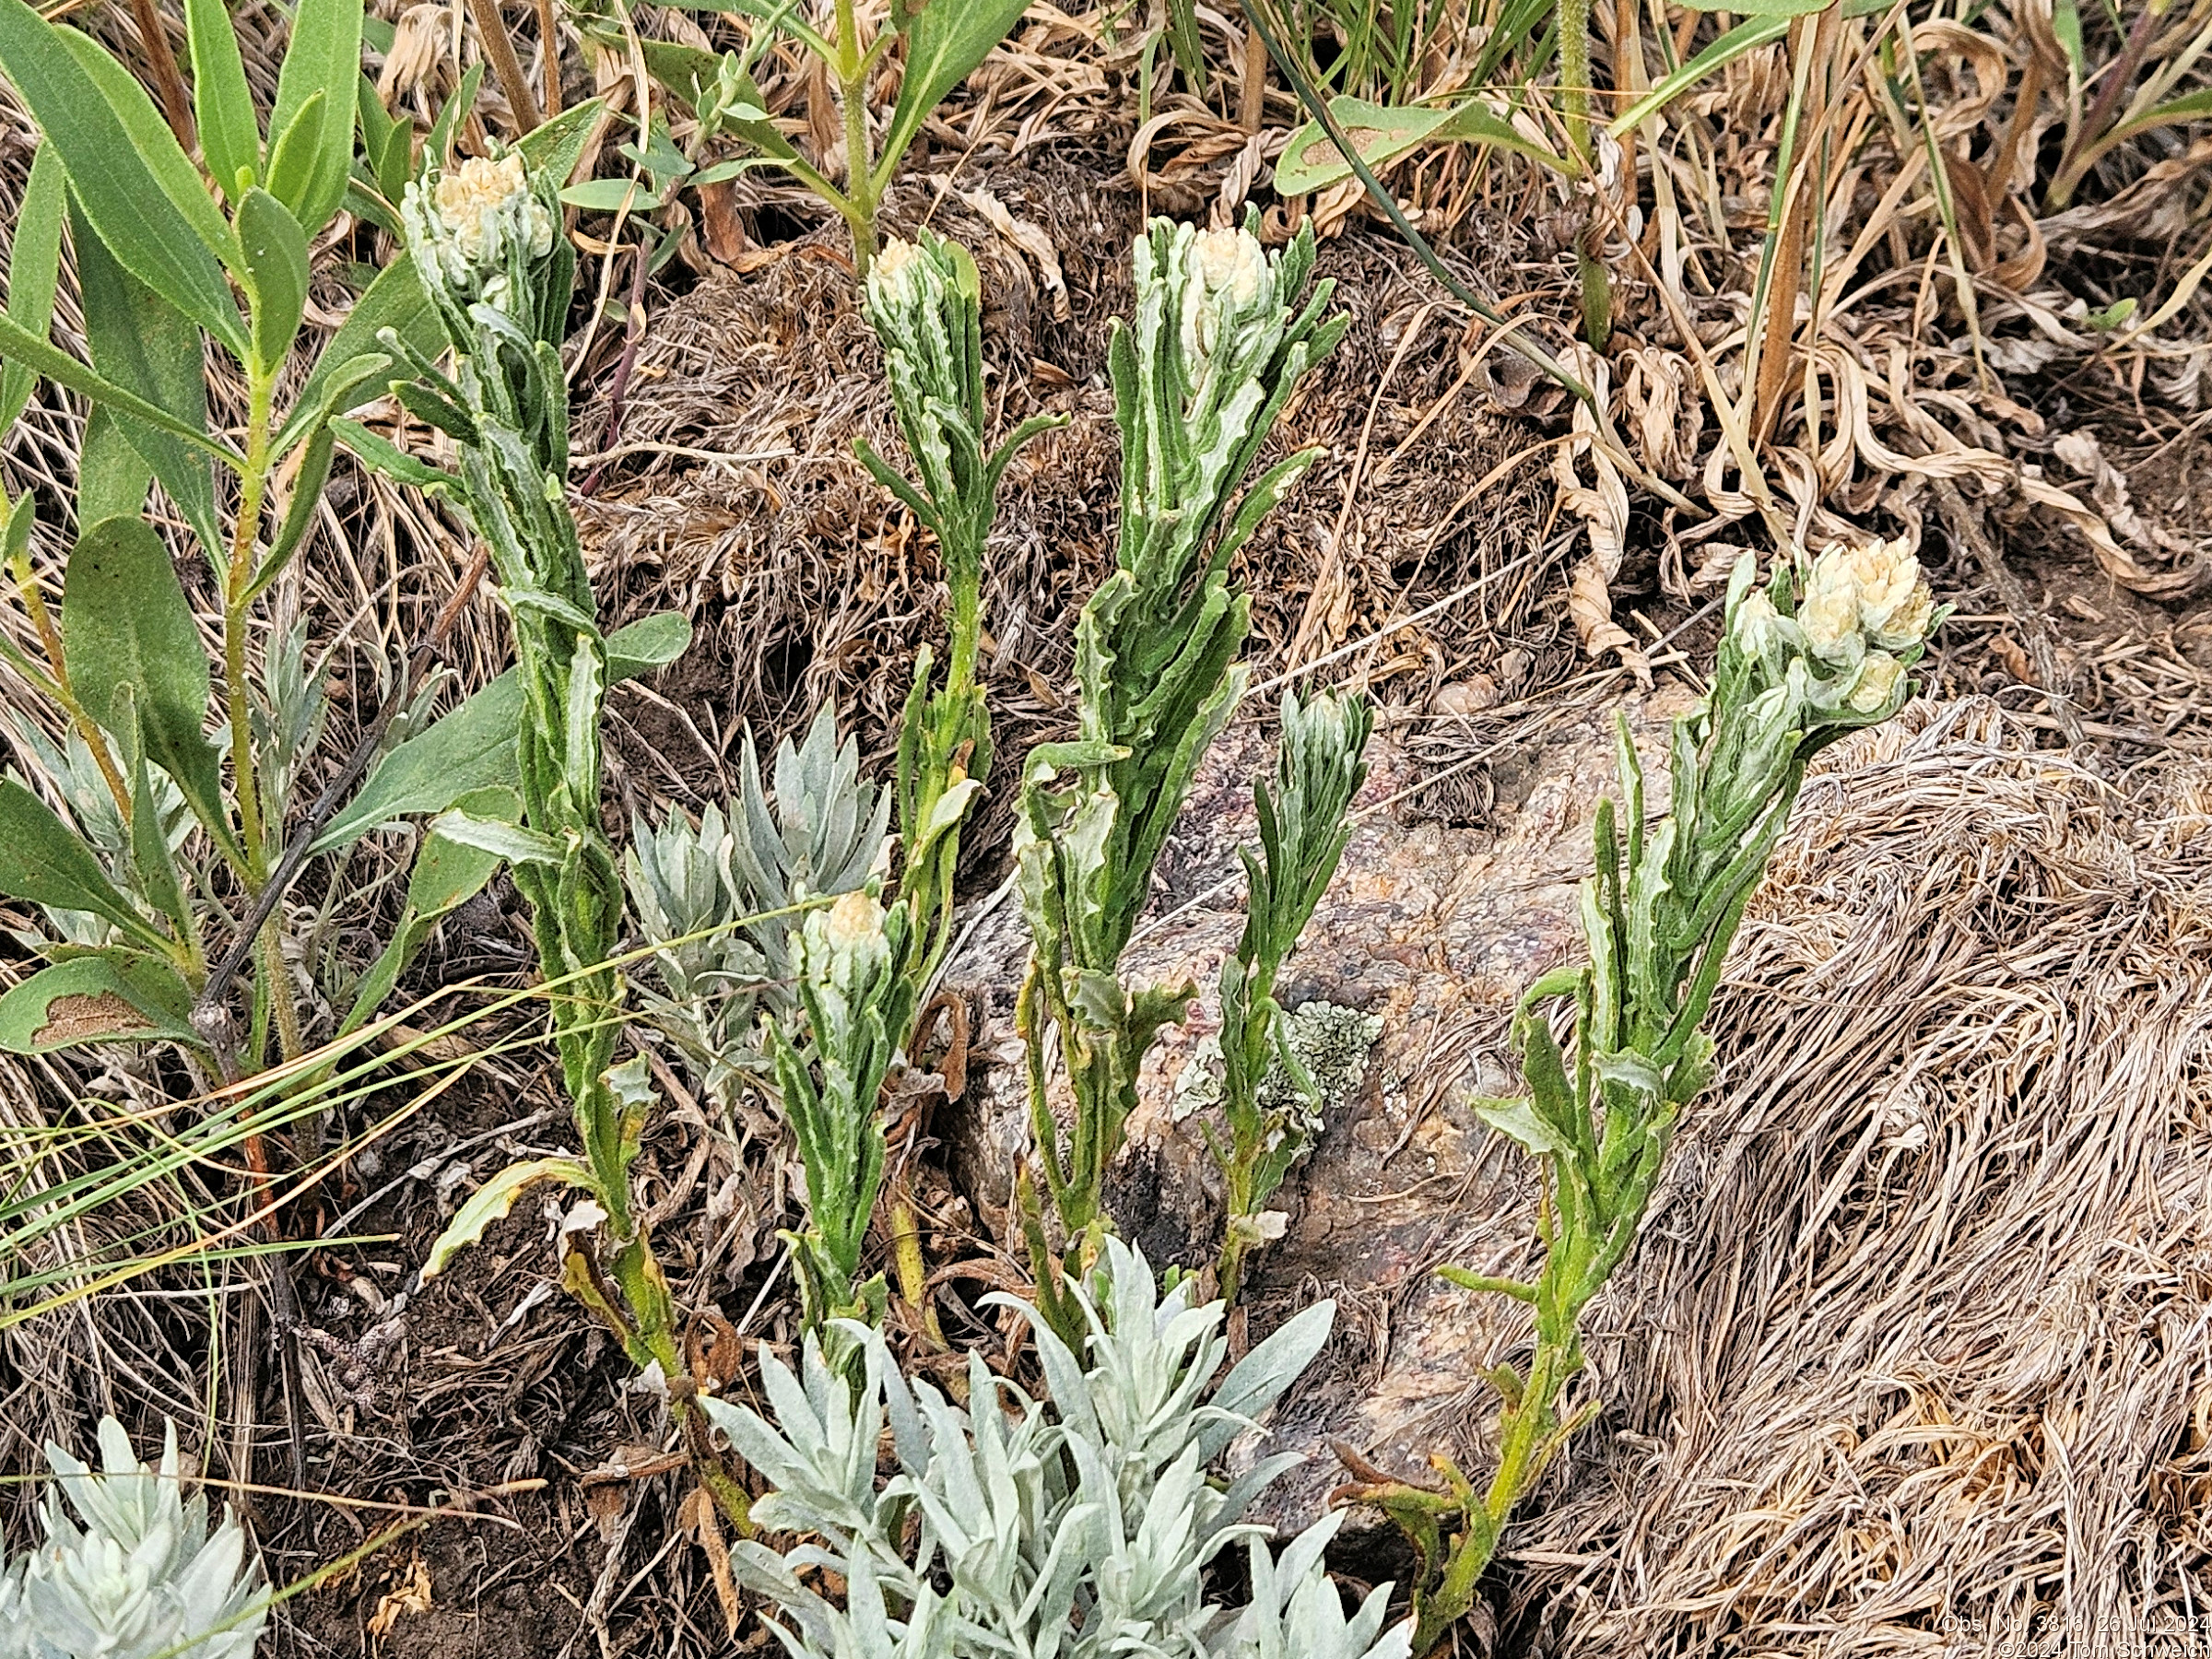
[
  {"x": 176, "y": 103},
  {"x": 548, "y": 30},
  {"x": 499, "y": 46}
]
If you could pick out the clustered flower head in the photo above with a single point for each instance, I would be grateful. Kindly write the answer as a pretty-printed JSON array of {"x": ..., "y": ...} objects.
[
  {"x": 1228, "y": 294},
  {"x": 923, "y": 300},
  {"x": 473, "y": 228},
  {"x": 1861, "y": 619},
  {"x": 142, "y": 1576}
]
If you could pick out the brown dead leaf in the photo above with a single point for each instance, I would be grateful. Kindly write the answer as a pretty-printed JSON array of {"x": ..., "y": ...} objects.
[
  {"x": 80, "y": 1019},
  {"x": 411, "y": 1594},
  {"x": 697, "y": 1517}
]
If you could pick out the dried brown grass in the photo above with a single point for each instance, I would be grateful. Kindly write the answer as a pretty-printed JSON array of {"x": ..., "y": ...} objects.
[{"x": 1919, "y": 1328}]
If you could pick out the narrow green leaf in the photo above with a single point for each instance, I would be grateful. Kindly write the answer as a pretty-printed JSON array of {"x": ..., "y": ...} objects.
[
  {"x": 557, "y": 145},
  {"x": 128, "y": 631},
  {"x": 19, "y": 345},
  {"x": 944, "y": 45},
  {"x": 146, "y": 345},
  {"x": 34, "y": 260},
  {"x": 153, "y": 864},
  {"x": 474, "y": 747},
  {"x": 382, "y": 455},
  {"x": 299, "y": 513},
  {"x": 229, "y": 131},
  {"x": 1518, "y": 1119},
  {"x": 510, "y": 842},
  {"x": 490, "y": 1202},
  {"x": 108, "y": 997},
  {"x": 446, "y": 875},
  {"x": 323, "y": 56},
  {"x": 276, "y": 251},
  {"x": 1310, "y": 161},
  {"x": 458, "y": 103},
  {"x": 610, "y": 195},
  {"x": 1746, "y": 37},
  {"x": 295, "y": 153},
  {"x": 43, "y": 862},
  {"x": 142, "y": 196}
]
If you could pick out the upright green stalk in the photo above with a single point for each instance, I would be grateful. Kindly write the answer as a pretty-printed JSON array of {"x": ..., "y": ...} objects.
[
  {"x": 1658, "y": 916},
  {"x": 501, "y": 279},
  {"x": 1223, "y": 334},
  {"x": 924, "y": 300}
]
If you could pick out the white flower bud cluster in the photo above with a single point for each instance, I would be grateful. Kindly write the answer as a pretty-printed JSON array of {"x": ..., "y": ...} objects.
[
  {"x": 473, "y": 228},
  {"x": 1226, "y": 282},
  {"x": 1861, "y": 618},
  {"x": 842, "y": 949},
  {"x": 142, "y": 1577}
]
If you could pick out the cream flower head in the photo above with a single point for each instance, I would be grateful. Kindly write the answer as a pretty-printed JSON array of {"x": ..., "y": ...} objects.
[
  {"x": 1895, "y": 605},
  {"x": 465, "y": 227},
  {"x": 1877, "y": 680},
  {"x": 1829, "y": 611},
  {"x": 1224, "y": 272}
]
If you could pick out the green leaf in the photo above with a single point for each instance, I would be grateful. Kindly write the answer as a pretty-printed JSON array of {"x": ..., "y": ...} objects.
[
  {"x": 43, "y": 861},
  {"x": 386, "y": 457},
  {"x": 20, "y": 345},
  {"x": 2190, "y": 106},
  {"x": 499, "y": 840},
  {"x": 106, "y": 996},
  {"x": 458, "y": 103},
  {"x": 944, "y": 45},
  {"x": 474, "y": 747},
  {"x": 1310, "y": 161},
  {"x": 559, "y": 144},
  {"x": 1518, "y": 1119},
  {"x": 395, "y": 300},
  {"x": 1761, "y": 8},
  {"x": 141, "y": 194},
  {"x": 229, "y": 131},
  {"x": 127, "y": 629},
  {"x": 491, "y": 1201},
  {"x": 295, "y": 153},
  {"x": 1746, "y": 37},
  {"x": 153, "y": 864},
  {"x": 325, "y": 56},
  {"x": 111, "y": 476},
  {"x": 608, "y": 195},
  {"x": 34, "y": 261},
  {"x": 144, "y": 344},
  {"x": 276, "y": 251},
  {"x": 446, "y": 875},
  {"x": 299, "y": 513}
]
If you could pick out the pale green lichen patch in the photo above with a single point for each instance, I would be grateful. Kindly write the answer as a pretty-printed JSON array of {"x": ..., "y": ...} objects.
[{"x": 1331, "y": 1040}]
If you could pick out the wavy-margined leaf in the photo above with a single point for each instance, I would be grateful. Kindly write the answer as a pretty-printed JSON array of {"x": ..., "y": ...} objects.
[
  {"x": 944, "y": 45},
  {"x": 490, "y": 1202},
  {"x": 1310, "y": 161},
  {"x": 111, "y": 995},
  {"x": 34, "y": 261},
  {"x": 128, "y": 633},
  {"x": 325, "y": 56},
  {"x": 146, "y": 346},
  {"x": 474, "y": 747},
  {"x": 42, "y": 861},
  {"x": 139, "y": 189},
  {"x": 221, "y": 104}
]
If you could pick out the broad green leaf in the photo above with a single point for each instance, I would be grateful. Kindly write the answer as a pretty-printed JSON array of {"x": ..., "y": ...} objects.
[
  {"x": 111, "y": 476},
  {"x": 106, "y": 996},
  {"x": 490, "y": 1202},
  {"x": 499, "y": 840},
  {"x": 276, "y": 253},
  {"x": 1518, "y": 1119},
  {"x": 557, "y": 145},
  {"x": 1310, "y": 161},
  {"x": 324, "y": 56},
  {"x": 295, "y": 152},
  {"x": 144, "y": 344},
  {"x": 20, "y": 345},
  {"x": 43, "y": 862},
  {"x": 610, "y": 195},
  {"x": 474, "y": 747},
  {"x": 944, "y": 45},
  {"x": 395, "y": 300},
  {"x": 141, "y": 194},
  {"x": 127, "y": 629},
  {"x": 34, "y": 260},
  {"x": 229, "y": 131}
]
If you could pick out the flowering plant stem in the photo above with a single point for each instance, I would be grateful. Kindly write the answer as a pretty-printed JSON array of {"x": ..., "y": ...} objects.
[
  {"x": 1658, "y": 917},
  {"x": 501, "y": 280}
]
